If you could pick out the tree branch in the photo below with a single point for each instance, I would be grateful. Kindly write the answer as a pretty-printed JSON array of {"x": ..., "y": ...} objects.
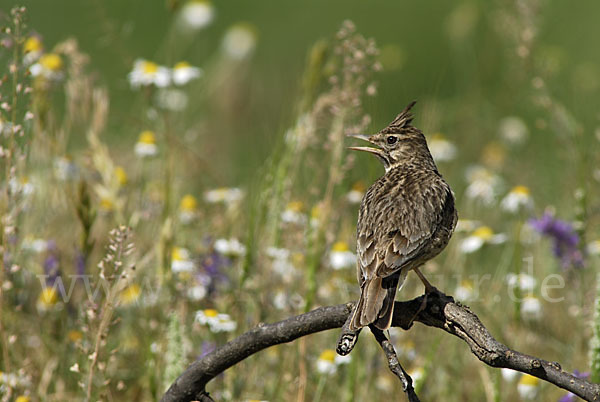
[
  {"x": 394, "y": 364},
  {"x": 440, "y": 311}
]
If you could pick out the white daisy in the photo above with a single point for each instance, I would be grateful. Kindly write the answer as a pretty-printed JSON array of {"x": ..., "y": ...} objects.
[
  {"x": 230, "y": 247},
  {"x": 528, "y": 386},
  {"x": 441, "y": 149},
  {"x": 224, "y": 195},
  {"x": 513, "y": 130},
  {"x": 479, "y": 237},
  {"x": 355, "y": 195},
  {"x": 341, "y": 257},
  {"x": 146, "y": 144},
  {"x": 32, "y": 50},
  {"x": 509, "y": 374},
  {"x": 175, "y": 100},
  {"x": 281, "y": 262},
  {"x": 217, "y": 322},
  {"x": 146, "y": 73},
  {"x": 65, "y": 169},
  {"x": 465, "y": 291},
  {"x": 326, "y": 362},
  {"x": 239, "y": 41},
  {"x": 197, "y": 14},
  {"x": 466, "y": 225},
  {"x": 181, "y": 260},
  {"x": 483, "y": 184},
  {"x": 519, "y": 198},
  {"x": 293, "y": 213},
  {"x": 531, "y": 308},
  {"x": 188, "y": 209},
  {"x": 526, "y": 283},
  {"x": 183, "y": 73},
  {"x": 593, "y": 248}
]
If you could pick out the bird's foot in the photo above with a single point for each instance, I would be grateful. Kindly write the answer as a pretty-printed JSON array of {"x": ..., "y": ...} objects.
[
  {"x": 346, "y": 343},
  {"x": 423, "y": 305},
  {"x": 347, "y": 339}
]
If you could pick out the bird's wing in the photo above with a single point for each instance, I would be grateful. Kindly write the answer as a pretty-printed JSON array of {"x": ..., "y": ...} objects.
[{"x": 395, "y": 228}]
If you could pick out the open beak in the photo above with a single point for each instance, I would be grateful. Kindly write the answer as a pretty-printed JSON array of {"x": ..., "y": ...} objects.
[{"x": 363, "y": 137}]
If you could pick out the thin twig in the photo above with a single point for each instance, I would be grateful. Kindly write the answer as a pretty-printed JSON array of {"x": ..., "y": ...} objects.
[
  {"x": 394, "y": 364},
  {"x": 439, "y": 311}
]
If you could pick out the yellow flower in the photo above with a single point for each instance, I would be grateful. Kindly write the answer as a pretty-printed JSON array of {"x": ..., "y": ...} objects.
[
  {"x": 315, "y": 212},
  {"x": 51, "y": 61},
  {"x": 484, "y": 233},
  {"x": 49, "y": 66},
  {"x": 493, "y": 155},
  {"x": 107, "y": 205},
  {"x": 147, "y": 137},
  {"x": 529, "y": 380},
  {"x": 295, "y": 206},
  {"x": 328, "y": 355},
  {"x": 22, "y": 398},
  {"x": 146, "y": 144},
  {"x": 149, "y": 67},
  {"x": 188, "y": 203},
  {"x": 121, "y": 175},
  {"x": 522, "y": 190},
  {"x": 209, "y": 312},
  {"x": 32, "y": 44},
  {"x": 130, "y": 294},
  {"x": 340, "y": 246},
  {"x": 182, "y": 64},
  {"x": 75, "y": 335},
  {"x": 48, "y": 297}
]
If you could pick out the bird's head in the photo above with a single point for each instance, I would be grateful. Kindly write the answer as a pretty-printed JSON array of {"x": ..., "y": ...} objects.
[{"x": 398, "y": 143}]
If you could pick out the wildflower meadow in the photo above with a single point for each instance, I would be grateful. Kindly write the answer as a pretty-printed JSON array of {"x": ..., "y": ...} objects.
[{"x": 176, "y": 172}]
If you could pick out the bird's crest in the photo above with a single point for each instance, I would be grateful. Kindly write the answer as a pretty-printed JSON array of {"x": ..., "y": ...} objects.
[{"x": 402, "y": 121}]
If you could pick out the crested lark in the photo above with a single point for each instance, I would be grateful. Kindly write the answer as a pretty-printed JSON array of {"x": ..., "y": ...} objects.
[{"x": 406, "y": 218}]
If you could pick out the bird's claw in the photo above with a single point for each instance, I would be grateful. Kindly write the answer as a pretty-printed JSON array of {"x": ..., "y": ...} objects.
[{"x": 346, "y": 344}]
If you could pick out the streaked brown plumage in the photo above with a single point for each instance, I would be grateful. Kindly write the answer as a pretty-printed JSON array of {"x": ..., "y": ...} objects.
[{"x": 406, "y": 218}]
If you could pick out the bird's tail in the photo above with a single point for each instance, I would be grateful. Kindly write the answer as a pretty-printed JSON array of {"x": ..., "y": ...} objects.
[{"x": 376, "y": 303}]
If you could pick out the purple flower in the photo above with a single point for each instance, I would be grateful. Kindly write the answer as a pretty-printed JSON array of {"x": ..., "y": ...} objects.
[
  {"x": 80, "y": 263},
  {"x": 212, "y": 268},
  {"x": 51, "y": 264},
  {"x": 564, "y": 239},
  {"x": 571, "y": 397},
  {"x": 207, "y": 347}
]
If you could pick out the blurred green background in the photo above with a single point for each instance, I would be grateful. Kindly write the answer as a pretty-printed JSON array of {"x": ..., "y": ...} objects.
[{"x": 459, "y": 59}]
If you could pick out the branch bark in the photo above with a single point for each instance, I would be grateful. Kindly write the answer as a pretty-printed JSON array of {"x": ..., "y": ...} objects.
[{"x": 440, "y": 311}]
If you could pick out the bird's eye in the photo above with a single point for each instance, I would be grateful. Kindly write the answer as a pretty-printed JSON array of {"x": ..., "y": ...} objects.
[{"x": 391, "y": 140}]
